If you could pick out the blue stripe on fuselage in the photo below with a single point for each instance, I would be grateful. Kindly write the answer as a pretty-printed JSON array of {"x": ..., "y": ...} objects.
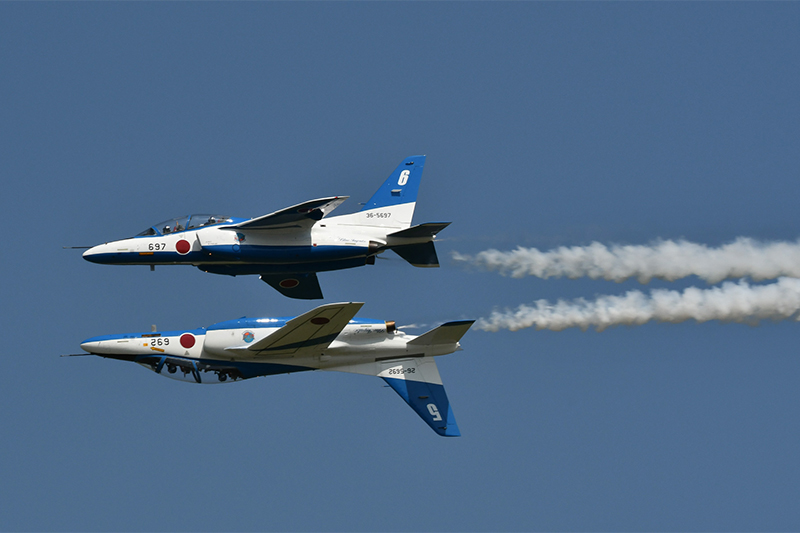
[
  {"x": 246, "y": 369},
  {"x": 285, "y": 254},
  {"x": 234, "y": 269},
  {"x": 316, "y": 258},
  {"x": 147, "y": 258}
]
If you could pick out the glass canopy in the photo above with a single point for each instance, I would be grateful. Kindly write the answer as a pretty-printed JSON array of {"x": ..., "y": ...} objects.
[{"x": 174, "y": 225}]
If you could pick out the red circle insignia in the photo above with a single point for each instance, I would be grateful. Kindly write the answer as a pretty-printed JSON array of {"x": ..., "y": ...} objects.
[
  {"x": 183, "y": 246},
  {"x": 289, "y": 283},
  {"x": 187, "y": 340}
]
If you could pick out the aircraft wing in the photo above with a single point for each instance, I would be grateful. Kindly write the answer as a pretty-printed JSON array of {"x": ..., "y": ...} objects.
[
  {"x": 300, "y": 216},
  {"x": 307, "y": 334},
  {"x": 304, "y": 286}
]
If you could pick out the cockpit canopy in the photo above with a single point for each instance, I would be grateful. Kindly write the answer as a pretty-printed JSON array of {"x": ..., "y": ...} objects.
[{"x": 174, "y": 225}]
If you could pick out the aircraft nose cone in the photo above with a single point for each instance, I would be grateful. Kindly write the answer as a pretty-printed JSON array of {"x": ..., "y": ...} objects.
[
  {"x": 95, "y": 254},
  {"x": 90, "y": 346}
]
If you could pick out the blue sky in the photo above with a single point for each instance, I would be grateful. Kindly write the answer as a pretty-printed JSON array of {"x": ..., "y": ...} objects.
[{"x": 545, "y": 124}]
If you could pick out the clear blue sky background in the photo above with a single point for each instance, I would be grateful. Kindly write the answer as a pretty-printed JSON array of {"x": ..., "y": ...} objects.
[{"x": 544, "y": 124}]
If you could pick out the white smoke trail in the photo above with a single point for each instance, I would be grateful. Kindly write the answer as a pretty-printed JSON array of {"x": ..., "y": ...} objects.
[
  {"x": 734, "y": 302},
  {"x": 669, "y": 260}
]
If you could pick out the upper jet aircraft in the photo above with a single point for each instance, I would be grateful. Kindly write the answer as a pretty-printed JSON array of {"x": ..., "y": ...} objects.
[{"x": 288, "y": 247}]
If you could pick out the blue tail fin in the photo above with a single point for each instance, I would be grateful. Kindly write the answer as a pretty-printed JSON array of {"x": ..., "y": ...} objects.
[
  {"x": 401, "y": 187},
  {"x": 417, "y": 381}
]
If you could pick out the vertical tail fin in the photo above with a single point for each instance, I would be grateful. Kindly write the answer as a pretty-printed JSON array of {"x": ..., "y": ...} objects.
[
  {"x": 401, "y": 187},
  {"x": 393, "y": 203},
  {"x": 417, "y": 381}
]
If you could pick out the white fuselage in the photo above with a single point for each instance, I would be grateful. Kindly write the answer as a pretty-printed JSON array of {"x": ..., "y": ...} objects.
[
  {"x": 358, "y": 343},
  {"x": 331, "y": 239}
]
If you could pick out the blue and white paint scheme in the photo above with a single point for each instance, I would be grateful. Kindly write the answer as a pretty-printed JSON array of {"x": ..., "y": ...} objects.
[
  {"x": 325, "y": 338},
  {"x": 288, "y": 247}
]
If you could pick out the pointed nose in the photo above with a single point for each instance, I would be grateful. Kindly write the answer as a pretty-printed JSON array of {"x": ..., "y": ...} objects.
[
  {"x": 110, "y": 345},
  {"x": 91, "y": 255},
  {"x": 91, "y": 346},
  {"x": 98, "y": 254}
]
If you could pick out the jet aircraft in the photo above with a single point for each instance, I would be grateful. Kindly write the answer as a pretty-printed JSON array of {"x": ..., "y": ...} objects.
[
  {"x": 325, "y": 338},
  {"x": 288, "y": 247}
]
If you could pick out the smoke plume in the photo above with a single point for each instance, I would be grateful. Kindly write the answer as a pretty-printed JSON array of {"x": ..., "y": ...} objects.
[
  {"x": 734, "y": 302},
  {"x": 669, "y": 260}
]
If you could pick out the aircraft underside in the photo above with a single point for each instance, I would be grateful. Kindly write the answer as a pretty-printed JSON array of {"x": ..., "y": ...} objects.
[
  {"x": 262, "y": 255},
  {"x": 245, "y": 269}
]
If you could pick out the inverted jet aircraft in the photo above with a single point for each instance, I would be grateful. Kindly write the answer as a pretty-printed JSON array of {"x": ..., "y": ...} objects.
[
  {"x": 288, "y": 247},
  {"x": 325, "y": 338}
]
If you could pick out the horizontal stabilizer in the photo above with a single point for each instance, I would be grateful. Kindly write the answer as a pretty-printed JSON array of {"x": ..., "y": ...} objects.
[
  {"x": 448, "y": 333},
  {"x": 307, "y": 334},
  {"x": 300, "y": 216},
  {"x": 429, "y": 229},
  {"x": 419, "y": 255},
  {"x": 303, "y": 286}
]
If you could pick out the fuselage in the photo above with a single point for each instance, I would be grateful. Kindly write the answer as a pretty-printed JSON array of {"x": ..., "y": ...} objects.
[
  {"x": 330, "y": 244},
  {"x": 215, "y": 354}
]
